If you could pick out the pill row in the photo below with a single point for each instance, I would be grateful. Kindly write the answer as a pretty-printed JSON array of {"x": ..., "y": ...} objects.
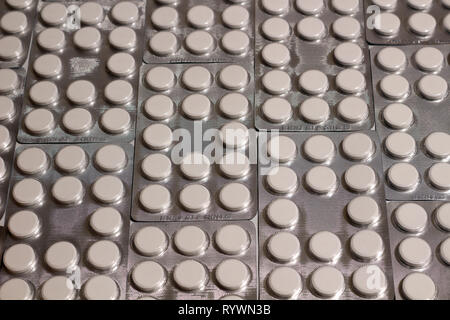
[
  {"x": 420, "y": 247},
  {"x": 69, "y": 242},
  {"x": 208, "y": 260},
  {"x": 321, "y": 69},
  {"x": 407, "y": 22},
  {"x": 16, "y": 25},
  {"x": 209, "y": 31},
  {"x": 336, "y": 231}
]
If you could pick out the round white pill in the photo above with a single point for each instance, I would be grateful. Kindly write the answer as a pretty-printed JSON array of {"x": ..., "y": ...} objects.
[
  {"x": 121, "y": 64},
  {"x": 200, "y": 42},
  {"x": 14, "y": 22},
  {"x": 11, "y": 48},
  {"x": 363, "y": 211},
  {"x": 351, "y": 81},
  {"x": 58, "y": 288},
  {"x": 403, "y": 176},
  {"x": 391, "y": 59},
  {"x": 327, "y": 282},
  {"x": 104, "y": 255},
  {"x": 348, "y": 54},
  {"x": 367, "y": 245},
  {"x": 160, "y": 79},
  {"x": 415, "y": 252},
  {"x": 411, "y": 217},
  {"x": 108, "y": 189},
  {"x": 321, "y": 180},
  {"x": 446, "y": 22},
  {"x": 19, "y": 258},
  {"x": 347, "y": 28},
  {"x": 119, "y": 92},
  {"x": 191, "y": 241},
  {"x": 54, "y": 14},
  {"x": 195, "y": 166},
  {"x": 125, "y": 12},
  {"x": 200, "y": 17},
  {"x": 437, "y": 145},
  {"x": 32, "y": 160},
  {"x": 190, "y": 275},
  {"x": 39, "y": 122},
  {"x": 353, "y": 109},
  {"x": 235, "y": 17},
  {"x": 277, "y": 110},
  {"x": 444, "y": 251},
  {"x": 234, "y": 165},
  {"x": 9, "y": 81},
  {"x": 28, "y": 192},
  {"x": 163, "y": 43},
  {"x": 234, "y": 135},
  {"x": 24, "y": 224},
  {"x": 400, "y": 145},
  {"x": 7, "y": 108},
  {"x": 282, "y": 149},
  {"x": 282, "y": 180},
  {"x": 364, "y": 284},
  {"x": 398, "y": 116},
  {"x": 313, "y": 82},
  {"x": 106, "y": 221},
  {"x": 115, "y": 121},
  {"x": 420, "y": 4},
  {"x": 275, "y": 7},
  {"x": 358, "y": 146},
  {"x": 277, "y": 82},
  {"x": 231, "y": 297},
  {"x": 234, "y": 105},
  {"x": 51, "y": 39},
  {"x": 235, "y": 42},
  {"x": 314, "y": 110},
  {"x": 235, "y": 197},
  {"x": 48, "y": 66},
  {"x": 148, "y": 276},
  {"x": 285, "y": 282},
  {"x": 234, "y": 77},
  {"x": 159, "y": 107},
  {"x": 385, "y": 4},
  {"x": 164, "y": 18},
  {"x": 429, "y": 59},
  {"x": 150, "y": 241},
  {"x": 276, "y": 55},
  {"x": 309, "y": 7},
  {"x": 232, "y": 239},
  {"x": 156, "y": 166},
  {"x": 418, "y": 286},
  {"x": 395, "y": 87},
  {"x": 111, "y": 158},
  {"x": 81, "y": 92},
  {"x": 91, "y": 13},
  {"x": 62, "y": 256},
  {"x": 122, "y": 38},
  {"x": 345, "y": 7},
  {"x": 232, "y": 274},
  {"x": 433, "y": 87},
  {"x": 155, "y": 198},
  {"x": 276, "y": 29},
  {"x": 158, "y": 136},
  {"x": 387, "y": 24},
  {"x": 283, "y": 213},
  {"x": 325, "y": 246},
  {"x": 16, "y": 289},
  {"x": 195, "y": 198},
  {"x": 422, "y": 24},
  {"x": 197, "y": 78},
  {"x": 439, "y": 175},
  {"x": 284, "y": 247},
  {"x": 68, "y": 190},
  {"x": 77, "y": 121},
  {"x": 19, "y": 4},
  {"x": 87, "y": 38},
  {"x": 319, "y": 148},
  {"x": 443, "y": 217},
  {"x": 101, "y": 288},
  {"x": 44, "y": 93},
  {"x": 361, "y": 178},
  {"x": 71, "y": 159},
  {"x": 311, "y": 29}
]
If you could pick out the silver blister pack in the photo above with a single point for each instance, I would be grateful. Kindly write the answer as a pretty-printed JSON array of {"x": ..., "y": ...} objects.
[
  {"x": 199, "y": 31},
  {"x": 413, "y": 119},
  {"x": 87, "y": 214},
  {"x": 407, "y": 22},
  {"x": 323, "y": 224},
  {"x": 419, "y": 233},
  {"x": 84, "y": 67},
  {"x": 312, "y": 66},
  {"x": 168, "y": 138},
  {"x": 16, "y": 25},
  {"x": 183, "y": 261},
  {"x": 11, "y": 105}
]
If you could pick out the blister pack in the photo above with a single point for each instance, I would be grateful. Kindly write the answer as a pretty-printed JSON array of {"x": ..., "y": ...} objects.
[
  {"x": 313, "y": 67},
  {"x": 205, "y": 260},
  {"x": 199, "y": 31},
  {"x": 83, "y": 82},
  {"x": 420, "y": 245},
  {"x": 195, "y": 155},
  {"x": 323, "y": 229},
  {"x": 413, "y": 119},
  {"x": 11, "y": 92},
  {"x": 16, "y": 27},
  {"x": 397, "y": 22},
  {"x": 68, "y": 222}
]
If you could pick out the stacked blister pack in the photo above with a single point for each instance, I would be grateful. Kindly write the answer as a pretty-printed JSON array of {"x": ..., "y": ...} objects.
[{"x": 224, "y": 149}]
